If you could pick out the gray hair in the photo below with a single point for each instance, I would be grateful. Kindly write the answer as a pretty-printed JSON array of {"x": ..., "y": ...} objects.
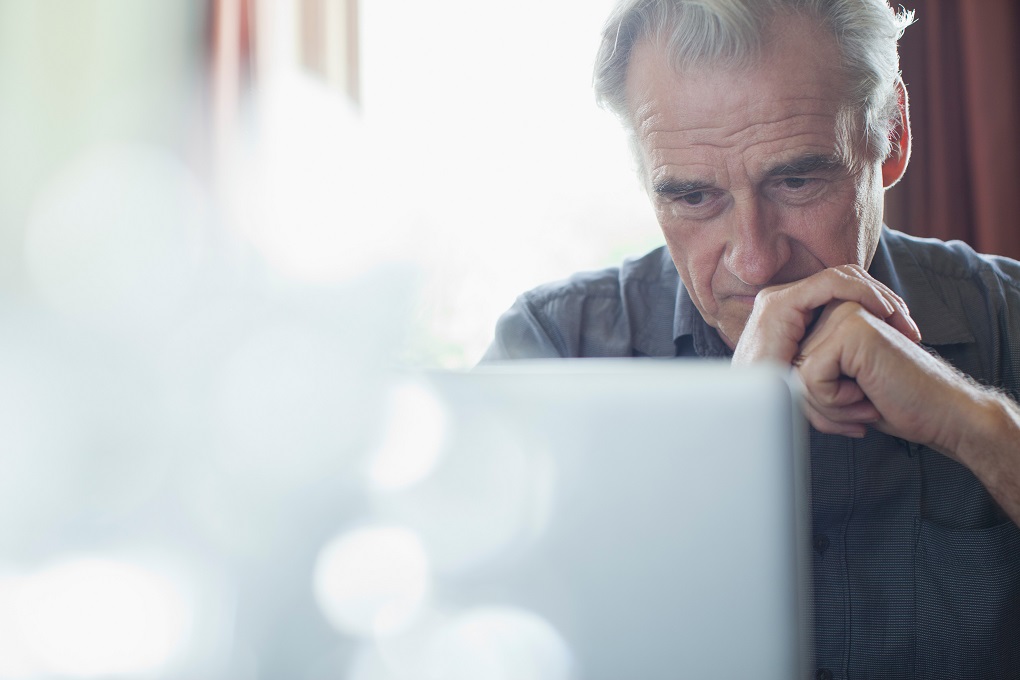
[{"x": 729, "y": 32}]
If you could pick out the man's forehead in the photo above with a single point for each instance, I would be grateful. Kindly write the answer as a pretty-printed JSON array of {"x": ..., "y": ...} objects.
[
  {"x": 800, "y": 62},
  {"x": 783, "y": 109}
]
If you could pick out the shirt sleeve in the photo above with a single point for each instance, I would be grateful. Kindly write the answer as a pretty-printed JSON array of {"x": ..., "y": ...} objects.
[{"x": 520, "y": 335}]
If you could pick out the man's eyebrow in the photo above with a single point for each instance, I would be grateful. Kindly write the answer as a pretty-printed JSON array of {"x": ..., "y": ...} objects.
[
  {"x": 678, "y": 187},
  {"x": 806, "y": 165}
]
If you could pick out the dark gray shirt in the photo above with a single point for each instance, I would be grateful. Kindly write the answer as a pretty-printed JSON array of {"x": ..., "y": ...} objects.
[{"x": 916, "y": 568}]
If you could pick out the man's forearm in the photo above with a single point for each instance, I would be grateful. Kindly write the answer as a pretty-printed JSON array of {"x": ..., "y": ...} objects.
[{"x": 990, "y": 447}]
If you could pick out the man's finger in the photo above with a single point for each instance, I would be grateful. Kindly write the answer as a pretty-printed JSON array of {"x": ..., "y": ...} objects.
[
  {"x": 899, "y": 314},
  {"x": 849, "y": 283},
  {"x": 827, "y": 425}
]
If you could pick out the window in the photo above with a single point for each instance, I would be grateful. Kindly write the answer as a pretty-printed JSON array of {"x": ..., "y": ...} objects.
[{"x": 466, "y": 143}]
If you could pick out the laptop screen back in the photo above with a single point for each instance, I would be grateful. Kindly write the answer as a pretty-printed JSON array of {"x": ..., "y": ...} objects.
[{"x": 642, "y": 519}]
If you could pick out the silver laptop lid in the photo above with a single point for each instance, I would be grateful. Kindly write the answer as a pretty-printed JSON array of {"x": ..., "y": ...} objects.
[{"x": 606, "y": 520}]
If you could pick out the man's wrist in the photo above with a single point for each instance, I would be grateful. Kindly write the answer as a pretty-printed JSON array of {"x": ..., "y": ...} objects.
[{"x": 988, "y": 437}]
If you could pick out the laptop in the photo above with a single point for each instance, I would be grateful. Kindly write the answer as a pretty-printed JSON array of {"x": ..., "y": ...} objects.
[
  {"x": 610, "y": 519},
  {"x": 560, "y": 520}
]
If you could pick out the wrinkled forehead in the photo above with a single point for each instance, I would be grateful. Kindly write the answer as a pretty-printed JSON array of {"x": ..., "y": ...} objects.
[{"x": 798, "y": 72}]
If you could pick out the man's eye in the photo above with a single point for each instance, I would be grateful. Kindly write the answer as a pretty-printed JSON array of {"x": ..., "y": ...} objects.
[
  {"x": 795, "y": 182},
  {"x": 693, "y": 198}
]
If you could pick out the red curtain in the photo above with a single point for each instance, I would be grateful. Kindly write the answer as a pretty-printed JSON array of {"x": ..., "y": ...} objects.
[{"x": 961, "y": 64}]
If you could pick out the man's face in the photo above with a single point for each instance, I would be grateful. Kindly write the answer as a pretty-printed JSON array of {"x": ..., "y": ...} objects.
[{"x": 744, "y": 171}]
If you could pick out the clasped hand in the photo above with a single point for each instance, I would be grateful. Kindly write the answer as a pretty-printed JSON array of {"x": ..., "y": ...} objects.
[{"x": 856, "y": 350}]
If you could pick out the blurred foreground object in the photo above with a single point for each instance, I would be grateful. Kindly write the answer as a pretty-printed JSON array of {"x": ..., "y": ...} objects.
[{"x": 187, "y": 400}]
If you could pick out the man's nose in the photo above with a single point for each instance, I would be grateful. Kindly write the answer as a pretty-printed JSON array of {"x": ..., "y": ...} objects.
[{"x": 757, "y": 249}]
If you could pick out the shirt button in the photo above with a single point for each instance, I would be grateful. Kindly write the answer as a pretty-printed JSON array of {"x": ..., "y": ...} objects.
[
  {"x": 821, "y": 543},
  {"x": 823, "y": 674},
  {"x": 910, "y": 448}
]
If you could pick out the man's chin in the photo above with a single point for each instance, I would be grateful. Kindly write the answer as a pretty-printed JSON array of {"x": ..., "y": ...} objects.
[
  {"x": 729, "y": 319},
  {"x": 731, "y": 339},
  {"x": 731, "y": 326}
]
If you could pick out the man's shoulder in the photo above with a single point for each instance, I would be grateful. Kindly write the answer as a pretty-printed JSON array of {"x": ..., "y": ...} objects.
[
  {"x": 953, "y": 260},
  {"x": 966, "y": 304},
  {"x": 602, "y": 313},
  {"x": 612, "y": 284}
]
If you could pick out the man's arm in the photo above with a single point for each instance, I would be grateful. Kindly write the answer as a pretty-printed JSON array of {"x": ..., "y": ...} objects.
[
  {"x": 861, "y": 365},
  {"x": 991, "y": 449},
  {"x": 857, "y": 370}
]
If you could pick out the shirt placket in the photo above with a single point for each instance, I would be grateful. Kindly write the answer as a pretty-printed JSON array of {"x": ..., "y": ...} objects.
[{"x": 831, "y": 505}]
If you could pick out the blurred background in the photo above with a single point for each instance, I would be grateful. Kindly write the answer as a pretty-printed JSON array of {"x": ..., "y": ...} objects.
[
  {"x": 229, "y": 227},
  {"x": 317, "y": 141}
]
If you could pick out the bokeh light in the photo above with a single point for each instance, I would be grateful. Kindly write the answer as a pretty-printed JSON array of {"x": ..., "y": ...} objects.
[
  {"x": 88, "y": 616},
  {"x": 372, "y": 581},
  {"x": 502, "y": 643},
  {"x": 484, "y": 643},
  {"x": 488, "y": 495},
  {"x": 15, "y": 659},
  {"x": 415, "y": 431}
]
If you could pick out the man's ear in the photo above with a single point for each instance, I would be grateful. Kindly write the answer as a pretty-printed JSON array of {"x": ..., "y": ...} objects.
[{"x": 895, "y": 163}]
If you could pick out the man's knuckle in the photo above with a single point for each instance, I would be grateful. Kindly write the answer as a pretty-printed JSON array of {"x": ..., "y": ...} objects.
[{"x": 848, "y": 270}]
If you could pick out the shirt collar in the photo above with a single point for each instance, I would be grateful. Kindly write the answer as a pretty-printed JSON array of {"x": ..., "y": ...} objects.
[
  {"x": 687, "y": 321},
  {"x": 661, "y": 296},
  {"x": 657, "y": 300}
]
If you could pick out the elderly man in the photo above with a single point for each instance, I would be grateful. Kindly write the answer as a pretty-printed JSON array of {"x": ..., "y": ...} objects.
[{"x": 766, "y": 133}]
